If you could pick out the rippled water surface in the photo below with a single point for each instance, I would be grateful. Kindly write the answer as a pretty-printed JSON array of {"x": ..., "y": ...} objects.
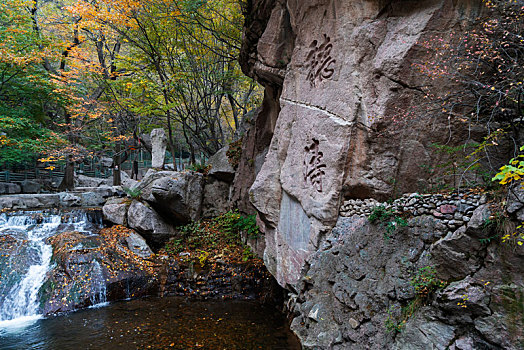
[{"x": 153, "y": 323}]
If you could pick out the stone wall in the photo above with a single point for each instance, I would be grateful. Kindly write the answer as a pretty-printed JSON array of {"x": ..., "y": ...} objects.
[{"x": 450, "y": 209}]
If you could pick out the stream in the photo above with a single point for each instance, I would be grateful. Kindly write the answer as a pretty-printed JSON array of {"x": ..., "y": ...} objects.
[
  {"x": 157, "y": 323},
  {"x": 27, "y": 261}
]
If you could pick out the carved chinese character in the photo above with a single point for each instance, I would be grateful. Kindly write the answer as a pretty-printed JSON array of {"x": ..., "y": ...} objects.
[
  {"x": 314, "y": 166},
  {"x": 319, "y": 61}
]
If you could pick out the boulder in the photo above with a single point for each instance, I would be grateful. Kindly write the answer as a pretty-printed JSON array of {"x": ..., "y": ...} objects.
[
  {"x": 115, "y": 211},
  {"x": 220, "y": 166},
  {"x": 127, "y": 181},
  {"x": 215, "y": 198},
  {"x": 68, "y": 199},
  {"x": 91, "y": 269},
  {"x": 106, "y": 162},
  {"x": 9, "y": 188},
  {"x": 179, "y": 196},
  {"x": 87, "y": 181},
  {"x": 30, "y": 201},
  {"x": 143, "y": 188},
  {"x": 137, "y": 244},
  {"x": 29, "y": 186},
  {"x": 149, "y": 224},
  {"x": 92, "y": 199},
  {"x": 159, "y": 143}
]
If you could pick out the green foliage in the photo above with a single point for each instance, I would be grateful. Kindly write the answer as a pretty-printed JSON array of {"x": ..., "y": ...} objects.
[
  {"x": 248, "y": 225},
  {"x": 27, "y": 91},
  {"x": 224, "y": 230},
  {"x": 174, "y": 246},
  {"x": 387, "y": 219},
  {"x": 396, "y": 324},
  {"x": 426, "y": 282},
  {"x": 247, "y": 254},
  {"x": 380, "y": 214},
  {"x": 391, "y": 323},
  {"x": 200, "y": 168},
  {"x": 513, "y": 171},
  {"x": 134, "y": 193},
  {"x": 227, "y": 223}
]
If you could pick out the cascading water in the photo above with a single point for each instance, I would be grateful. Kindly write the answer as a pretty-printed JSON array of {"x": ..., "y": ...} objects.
[
  {"x": 24, "y": 268},
  {"x": 98, "y": 285}
]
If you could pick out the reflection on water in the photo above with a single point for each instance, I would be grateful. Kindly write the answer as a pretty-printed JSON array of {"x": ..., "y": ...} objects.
[{"x": 169, "y": 323}]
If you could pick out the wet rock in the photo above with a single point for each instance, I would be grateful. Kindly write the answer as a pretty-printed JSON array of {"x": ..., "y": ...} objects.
[
  {"x": 14, "y": 261},
  {"x": 92, "y": 269},
  {"x": 149, "y": 224}
]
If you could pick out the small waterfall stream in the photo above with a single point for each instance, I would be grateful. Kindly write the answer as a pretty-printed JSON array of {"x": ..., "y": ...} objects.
[{"x": 24, "y": 270}]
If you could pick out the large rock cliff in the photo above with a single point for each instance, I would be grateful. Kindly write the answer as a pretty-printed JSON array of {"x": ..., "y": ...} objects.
[{"x": 336, "y": 74}]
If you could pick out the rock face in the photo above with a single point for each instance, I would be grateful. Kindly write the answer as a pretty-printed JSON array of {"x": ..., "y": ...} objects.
[
  {"x": 336, "y": 73},
  {"x": 359, "y": 290},
  {"x": 159, "y": 143}
]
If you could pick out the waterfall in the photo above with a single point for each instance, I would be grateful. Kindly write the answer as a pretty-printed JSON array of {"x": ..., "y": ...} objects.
[
  {"x": 98, "y": 286},
  {"x": 23, "y": 271}
]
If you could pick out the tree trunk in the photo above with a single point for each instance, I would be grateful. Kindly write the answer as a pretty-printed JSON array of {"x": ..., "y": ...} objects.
[
  {"x": 68, "y": 181},
  {"x": 116, "y": 163}
]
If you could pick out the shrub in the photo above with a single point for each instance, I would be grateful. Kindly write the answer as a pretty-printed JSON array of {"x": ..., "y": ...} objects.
[
  {"x": 224, "y": 231},
  {"x": 388, "y": 219},
  {"x": 134, "y": 193},
  {"x": 426, "y": 282}
]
